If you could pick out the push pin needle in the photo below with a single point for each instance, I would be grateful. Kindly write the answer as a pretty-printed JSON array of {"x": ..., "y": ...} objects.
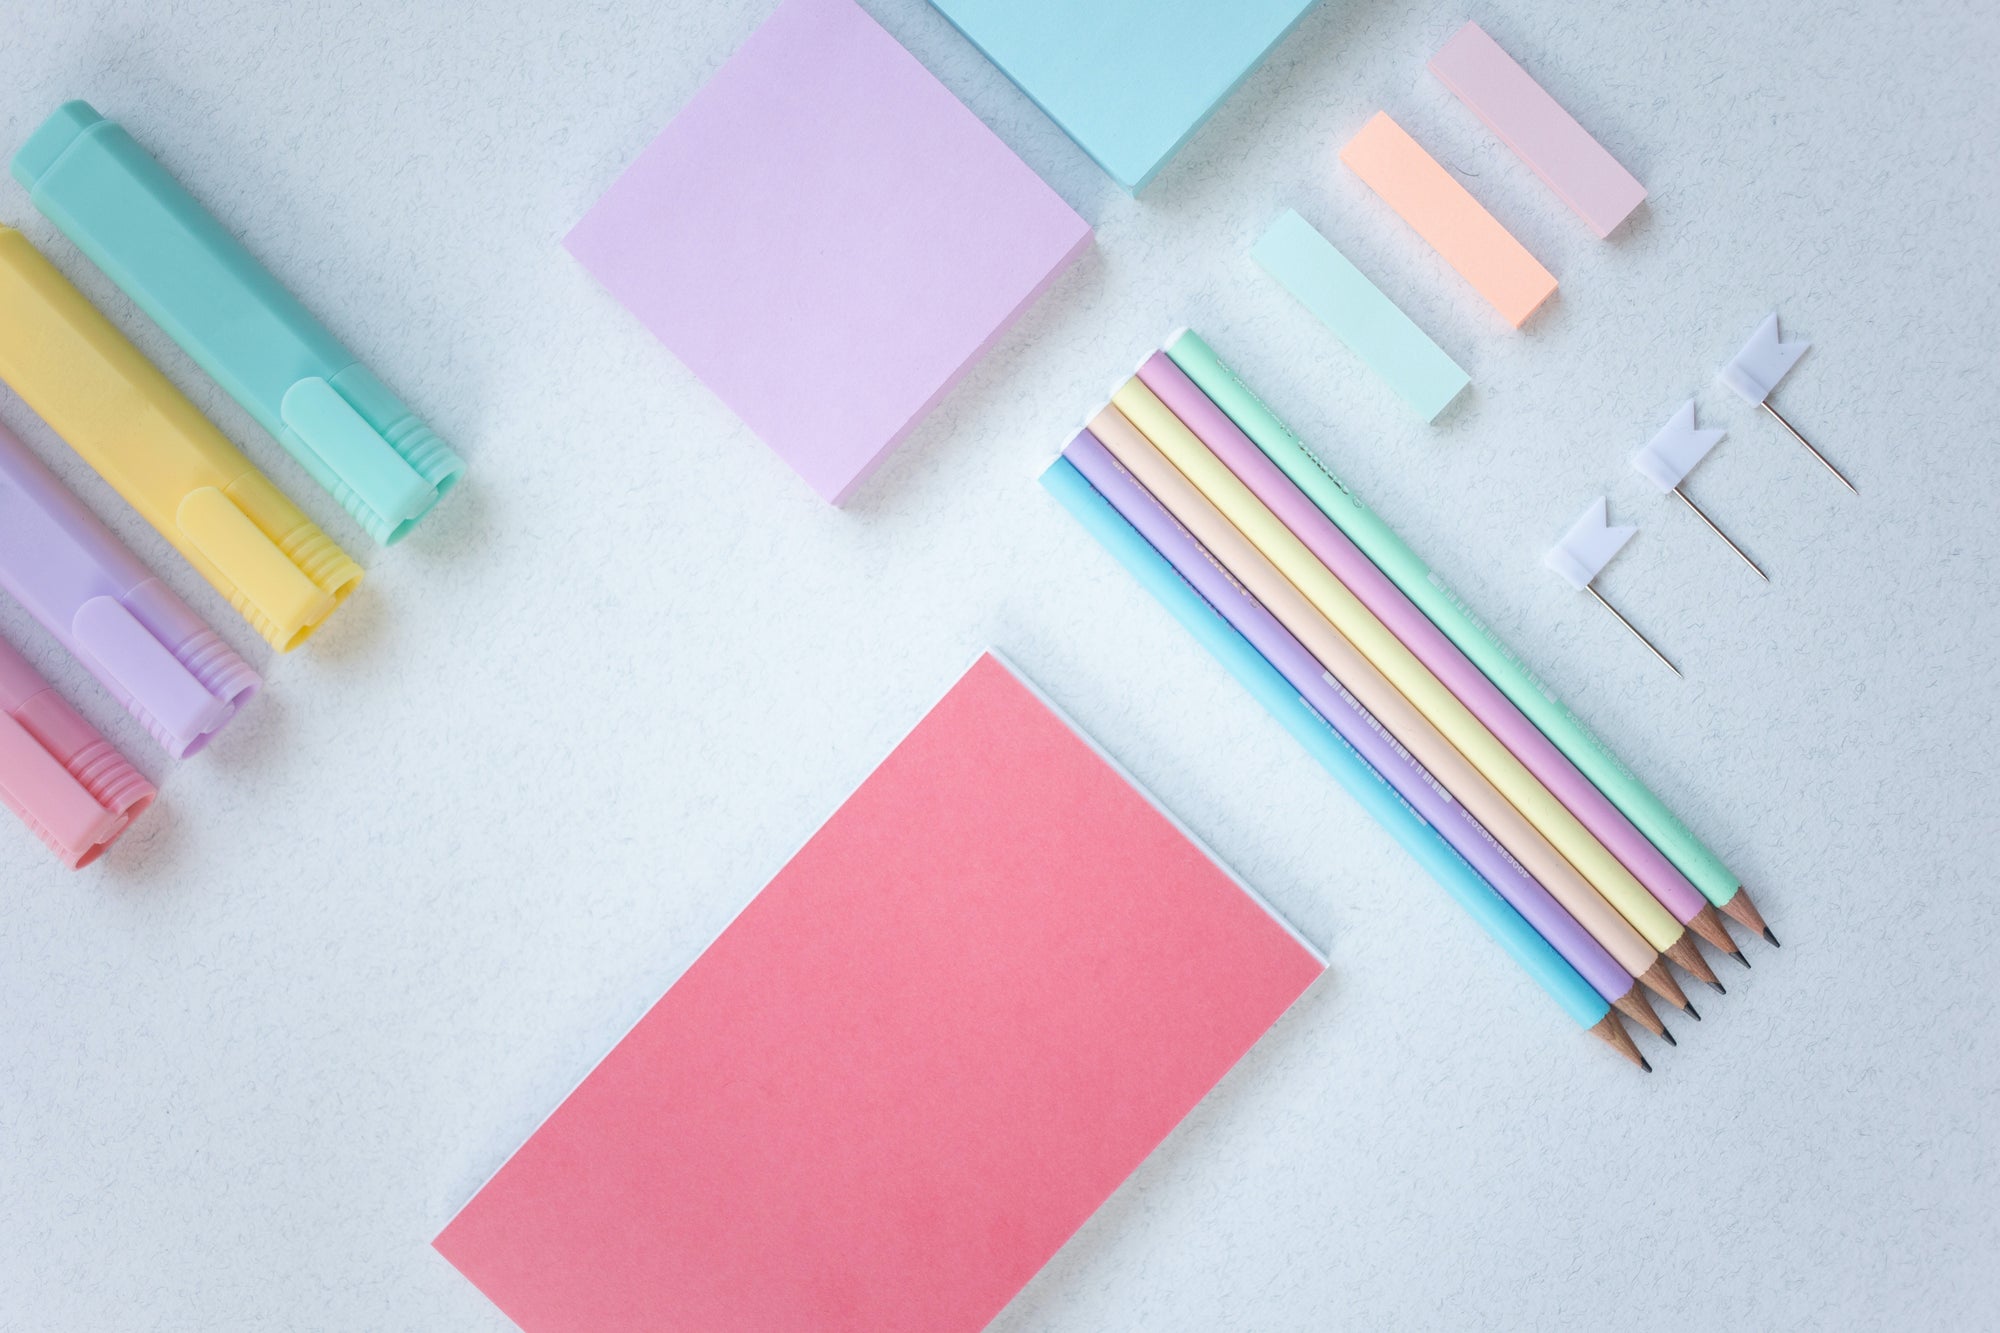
[
  {"x": 1793, "y": 431},
  {"x": 1635, "y": 633},
  {"x": 1756, "y": 369},
  {"x": 1720, "y": 533},
  {"x": 1668, "y": 458}
]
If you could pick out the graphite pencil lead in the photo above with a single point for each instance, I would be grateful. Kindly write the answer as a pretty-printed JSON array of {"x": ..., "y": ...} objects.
[
  {"x": 1773, "y": 939},
  {"x": 1664, "y": 1032},
  {"x": 1694, "y": 1013},
  {"x": 1720, "y": 989},
  {"x": 1738, "y": 956},
  {"x": 1645, "y": 1064}
]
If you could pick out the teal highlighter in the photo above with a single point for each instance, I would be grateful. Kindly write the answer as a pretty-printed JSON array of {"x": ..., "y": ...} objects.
[{"x": 226, "y": 310}]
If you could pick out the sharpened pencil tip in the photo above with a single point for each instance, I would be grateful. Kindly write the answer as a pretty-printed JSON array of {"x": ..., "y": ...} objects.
[
  {"x": 1772, "y": 939},
  {"x": 1693, "y": 1013},
  {"x": 1668, "y": 1035},
  {"x": 1738, "y": 956},
  {"x": 1645, "y": 1065},
  {"x": 1720, "y": 989}
]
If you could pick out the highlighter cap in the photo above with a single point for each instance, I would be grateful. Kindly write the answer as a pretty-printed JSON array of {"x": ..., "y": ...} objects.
[
  {"x": 142, "y": 642},
  {"x": 202, "y": 286},
  {"x": 52, "y": 139},
  {"x": 67, "y": 783}
]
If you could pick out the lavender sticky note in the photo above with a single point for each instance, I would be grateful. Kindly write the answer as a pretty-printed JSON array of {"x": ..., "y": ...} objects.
[{"x": 828, "y": 239}]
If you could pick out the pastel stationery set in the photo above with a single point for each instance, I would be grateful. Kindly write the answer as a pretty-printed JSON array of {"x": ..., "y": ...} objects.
[
  {"x": 158, "y": 658},
  {"x": 1129, "y": 80},
  {"x": 141, "y": 434},
  {"x": 828, "y": 239},
  {"x": 199, "y": 283},
  {"x": 1532, "y": 123},
  {"x": 1373, "y": 327},
  {"x": 1443, "y": 212},
  {"x": 67, "y": 783},
  {"x": 916, "y": 1062}
]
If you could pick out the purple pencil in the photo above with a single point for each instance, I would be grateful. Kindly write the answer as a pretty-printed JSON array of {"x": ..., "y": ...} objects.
[
  {"x": 1359, "y": 728},
  {"x": 158, "y": 658}
]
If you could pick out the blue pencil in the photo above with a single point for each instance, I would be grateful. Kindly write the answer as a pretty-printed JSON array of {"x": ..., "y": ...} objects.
[{"x": 1499, "y": 919}]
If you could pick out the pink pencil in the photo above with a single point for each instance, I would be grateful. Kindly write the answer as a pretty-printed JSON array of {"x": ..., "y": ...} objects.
[{"x": 1297, "y": 512}]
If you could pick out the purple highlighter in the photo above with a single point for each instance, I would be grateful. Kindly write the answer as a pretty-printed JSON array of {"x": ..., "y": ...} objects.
[
  {"x": 1346, "y": 715},
  {"x": 142, "y": 642}
]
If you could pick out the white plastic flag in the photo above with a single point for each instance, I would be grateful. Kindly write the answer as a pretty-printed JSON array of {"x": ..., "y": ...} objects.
[
  {"x": 1583, "y": 553},
  {"x": 1669, "y": 456},
  {"x": 1588, "y": 546},
  {"x": 1756, "y": 369}
]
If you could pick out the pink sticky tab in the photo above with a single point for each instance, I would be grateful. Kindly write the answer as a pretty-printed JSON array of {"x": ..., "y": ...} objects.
[
  {"x": 1535, "y": 126},
  {"x": 1471, "y": 240},
  {"x": 912, "y": 1066}
]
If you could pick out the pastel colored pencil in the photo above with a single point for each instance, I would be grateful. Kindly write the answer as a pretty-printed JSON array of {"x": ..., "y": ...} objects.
[
  {"x": 1500, "y": 921},
  {"x": 1407, "y": 676},
  {"x": 1435, "y": 599},
  {"x": 1424, "y": 793},
  {"x": 1360, "y": 677},
  {"x": 1428, "y": 644}
]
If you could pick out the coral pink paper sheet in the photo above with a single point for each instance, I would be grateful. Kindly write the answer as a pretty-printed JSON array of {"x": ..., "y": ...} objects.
[{"x": 912, "y": 1066}]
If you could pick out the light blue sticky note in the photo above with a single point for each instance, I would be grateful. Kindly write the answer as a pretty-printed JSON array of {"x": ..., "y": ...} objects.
[
  {"x": 1129, "y": 80},
  {"x": 1354, "y": 308}
]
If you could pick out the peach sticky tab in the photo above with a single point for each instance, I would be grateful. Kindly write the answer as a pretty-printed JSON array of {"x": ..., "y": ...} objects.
[{"x": 1410, "y": 180}]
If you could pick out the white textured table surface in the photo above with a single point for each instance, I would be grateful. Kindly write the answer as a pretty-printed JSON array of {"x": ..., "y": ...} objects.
[{"x": 250, "y": 1064}]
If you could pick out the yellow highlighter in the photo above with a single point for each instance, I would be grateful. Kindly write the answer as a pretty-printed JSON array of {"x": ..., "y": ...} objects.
[{"x": 128, "y": 421}]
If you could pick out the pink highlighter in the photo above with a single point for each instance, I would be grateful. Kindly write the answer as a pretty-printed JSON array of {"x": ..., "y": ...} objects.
[{"x": 66, "y": 782}]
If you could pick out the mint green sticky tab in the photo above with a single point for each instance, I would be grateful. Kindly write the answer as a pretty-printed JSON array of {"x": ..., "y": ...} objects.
[{"x": 1373, "y": 326}]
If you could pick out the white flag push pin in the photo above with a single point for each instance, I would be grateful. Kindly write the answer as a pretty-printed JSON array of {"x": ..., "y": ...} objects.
[
  {"x": 1669, "y": 456},
  {"x": 1756, "y": 370},
  {"x": 1583, "y": 553}
]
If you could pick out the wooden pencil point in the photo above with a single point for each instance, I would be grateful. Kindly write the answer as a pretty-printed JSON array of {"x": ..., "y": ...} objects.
[
  {"x": 1613, "y": 1034},
  {"x": 1634, "y": 1005},
  {"x": 1708, "y": 924},
  {"x": 1743, "y": 910},
  {"x": 1660, "y": 981},
  {"x": 1686, "y": 954}
]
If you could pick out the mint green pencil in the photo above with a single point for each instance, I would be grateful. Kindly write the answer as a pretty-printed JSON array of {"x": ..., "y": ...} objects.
[{"x": 1421, "y": 586}]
